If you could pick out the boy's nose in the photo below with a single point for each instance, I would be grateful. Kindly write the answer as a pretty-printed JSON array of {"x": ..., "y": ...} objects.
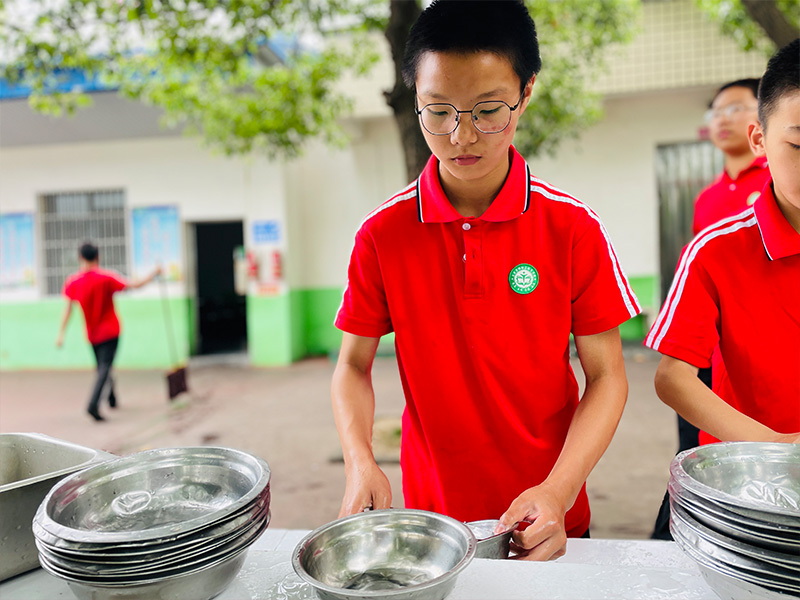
[{"x": 465, "y": 132}]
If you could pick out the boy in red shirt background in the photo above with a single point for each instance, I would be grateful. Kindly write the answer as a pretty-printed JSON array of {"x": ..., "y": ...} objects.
[
  {"x": 93, "y": 289},
  {"x": 737, "y": 287}
]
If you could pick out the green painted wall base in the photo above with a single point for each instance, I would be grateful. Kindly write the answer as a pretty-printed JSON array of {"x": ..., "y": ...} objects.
[
  {"x": 28, "y": 333},
  {"x": 280, "y": 330}
]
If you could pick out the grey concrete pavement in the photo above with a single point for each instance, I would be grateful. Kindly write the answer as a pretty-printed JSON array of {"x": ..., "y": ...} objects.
[{"x": 284, "y": 416}]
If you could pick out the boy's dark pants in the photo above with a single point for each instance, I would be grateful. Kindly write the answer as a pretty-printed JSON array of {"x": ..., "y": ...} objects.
[
  {"x": 687, "y": 438},
  {"x": 104, "y": 352}
]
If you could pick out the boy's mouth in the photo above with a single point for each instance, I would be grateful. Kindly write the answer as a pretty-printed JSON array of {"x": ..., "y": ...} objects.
[{"x": 466, "y": 159}]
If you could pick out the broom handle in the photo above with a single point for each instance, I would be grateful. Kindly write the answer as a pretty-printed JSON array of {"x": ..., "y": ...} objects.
[{"x": 168, "y": 321}]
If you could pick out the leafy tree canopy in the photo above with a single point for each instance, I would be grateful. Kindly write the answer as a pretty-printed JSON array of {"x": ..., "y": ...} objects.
[{"x": 206, "y": 63}]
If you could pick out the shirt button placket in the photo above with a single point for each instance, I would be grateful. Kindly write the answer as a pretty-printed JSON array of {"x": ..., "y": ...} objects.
[{"x": 473, "y": 263}]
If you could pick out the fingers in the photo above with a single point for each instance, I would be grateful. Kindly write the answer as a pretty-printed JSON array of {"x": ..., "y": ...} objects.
[{"x": 543, "y": 540}]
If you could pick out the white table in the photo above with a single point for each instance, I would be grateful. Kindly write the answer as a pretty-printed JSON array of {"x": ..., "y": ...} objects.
[{"x": 590, "y": 570}]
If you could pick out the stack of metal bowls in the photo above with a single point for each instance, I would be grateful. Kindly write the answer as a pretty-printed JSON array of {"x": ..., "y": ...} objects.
[
  {"x": 735, "y": 509},
  {"x": 173, "y": 524}
]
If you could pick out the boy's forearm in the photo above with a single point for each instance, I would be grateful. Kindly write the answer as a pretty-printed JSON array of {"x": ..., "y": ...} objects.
[
  {"x": 590, "y": 433},
  {"x": 353, "y": 402},
  {"x": 677, "y": 385}
]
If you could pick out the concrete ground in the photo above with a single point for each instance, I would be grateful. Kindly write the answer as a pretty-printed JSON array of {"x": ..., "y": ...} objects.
[{"x": 284, "y": 416}]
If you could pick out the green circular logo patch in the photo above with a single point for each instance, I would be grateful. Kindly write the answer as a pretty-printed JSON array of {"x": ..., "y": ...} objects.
[{"x": 523, "y": 278}]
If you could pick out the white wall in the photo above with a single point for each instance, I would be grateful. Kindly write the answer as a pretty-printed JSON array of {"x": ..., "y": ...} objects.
[
  {"x": 329, "y": 192},
  {"x": 612, "y": 167}
]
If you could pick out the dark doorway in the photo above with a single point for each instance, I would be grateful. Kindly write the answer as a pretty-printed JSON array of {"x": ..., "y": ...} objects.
[{"x": 221, "y": 312}]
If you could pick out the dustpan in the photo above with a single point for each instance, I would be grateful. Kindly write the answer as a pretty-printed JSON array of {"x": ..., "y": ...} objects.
[{"x": 176, "y": 377}]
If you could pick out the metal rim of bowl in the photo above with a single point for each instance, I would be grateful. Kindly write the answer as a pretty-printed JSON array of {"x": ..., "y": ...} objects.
[
  {"x": 765, "y": 450},
  {"x": 756, "y": 567},
  {"x": 176, "y": 543},
  {"x": 771, "y": 556},
  {"x": 705, "y": 562},
  {"x": 155, "y": 580},
  {"x": 761, "y": 520},
  {"x": 132, "y": 462},
  {"x": 384, "y": 594},
  {"x": 757, "y": 526},
  {"x": 204, "y": 553}
]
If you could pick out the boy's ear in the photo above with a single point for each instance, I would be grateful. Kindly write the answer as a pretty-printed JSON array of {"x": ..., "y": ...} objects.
[
  {"x": 755, "y": 135},
  {"x": 527, "y": 93}
]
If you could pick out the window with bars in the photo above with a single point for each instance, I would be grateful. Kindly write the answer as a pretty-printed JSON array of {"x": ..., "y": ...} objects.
[{"x": 69, "y": 219}]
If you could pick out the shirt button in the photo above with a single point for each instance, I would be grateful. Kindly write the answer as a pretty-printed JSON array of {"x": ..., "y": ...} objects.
[
  {"x": 466, "y": 227},
  {"x": 732, "y": 187},
  {"x": 464, "y": 258}
]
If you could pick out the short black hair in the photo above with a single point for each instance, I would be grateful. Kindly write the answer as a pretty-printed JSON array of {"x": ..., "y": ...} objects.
[
  {"x": 503, "y": 27},
  {"x": 751, "y": 84},
  {"x": 781, "y": 78},
  {"x": 88, "y": 251}
]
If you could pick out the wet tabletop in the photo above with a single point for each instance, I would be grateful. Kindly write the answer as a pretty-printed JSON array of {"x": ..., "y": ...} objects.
[{"x": 591, "y": 570}]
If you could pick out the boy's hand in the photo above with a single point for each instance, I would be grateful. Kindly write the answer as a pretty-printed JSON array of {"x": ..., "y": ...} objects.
[
  {"x": 546, "y": 537},
  {"x": 367, "y": 487},
  {"x": 60, "y": 340}
]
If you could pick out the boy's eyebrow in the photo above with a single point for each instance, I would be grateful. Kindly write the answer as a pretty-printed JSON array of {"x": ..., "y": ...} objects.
[{"x": 490, "y": 94}]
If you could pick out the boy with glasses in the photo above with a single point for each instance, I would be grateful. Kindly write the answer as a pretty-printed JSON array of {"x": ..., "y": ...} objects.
[
  {"x": 483, "y": 271},
  {"x": 731, "y": 111}
]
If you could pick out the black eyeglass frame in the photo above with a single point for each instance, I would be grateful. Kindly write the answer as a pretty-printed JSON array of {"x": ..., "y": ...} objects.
[{"x": 418, "y": 111}]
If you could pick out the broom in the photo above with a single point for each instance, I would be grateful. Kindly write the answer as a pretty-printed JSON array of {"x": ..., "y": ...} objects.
[{"x": 176, "y": 377}]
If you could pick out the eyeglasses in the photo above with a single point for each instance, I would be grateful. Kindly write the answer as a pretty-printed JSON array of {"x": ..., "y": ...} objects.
[
  {"x": 729, "y": 112},
  {"x": 441, "y": 118}
]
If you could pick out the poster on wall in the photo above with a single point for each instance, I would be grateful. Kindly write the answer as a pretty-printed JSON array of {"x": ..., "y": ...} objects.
[
  {"x": 156, "y": 241},
  {"x": 16, "y": 251}
]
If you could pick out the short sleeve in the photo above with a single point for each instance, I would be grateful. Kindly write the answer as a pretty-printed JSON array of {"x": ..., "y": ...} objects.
[
  {"x": 70, "y": 289},
  {"x": 601, "y": 295},
  {"x": 687, "y": 327},
  {"x": 117, "y": 282},
  {"x": 364, "y": 310}
]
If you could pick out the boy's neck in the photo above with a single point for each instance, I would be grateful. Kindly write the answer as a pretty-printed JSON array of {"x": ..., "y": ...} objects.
[
  {"x": 736, "y": 163},
  {"x": 473, "y": 198}
]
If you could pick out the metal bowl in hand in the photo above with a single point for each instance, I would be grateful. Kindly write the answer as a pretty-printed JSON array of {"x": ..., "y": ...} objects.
[
  {"x": 400, "y": 554},
  {"x": 490, "y": 544}
]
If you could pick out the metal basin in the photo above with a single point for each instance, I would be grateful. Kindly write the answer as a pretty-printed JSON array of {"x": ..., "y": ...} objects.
[
  {"x": 400, "y": 554},
  {"x": 30, "y": 464},
  {"x": 152, "y": 495},
  {"x": 490, "y": 544},
  {"x": 756, "y": 476}
]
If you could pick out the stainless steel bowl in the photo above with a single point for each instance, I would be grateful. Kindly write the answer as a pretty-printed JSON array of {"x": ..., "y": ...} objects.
[
  {"x": 397, "y": 554},
  {"x": 490, "y": 544},
  {"x": 151, "y": 495},
  {"x": 756, "y": 476}
]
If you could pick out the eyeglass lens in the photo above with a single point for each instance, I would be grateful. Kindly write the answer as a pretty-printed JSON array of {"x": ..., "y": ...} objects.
[
  {"x": 729, "y": 112},
  {"x": 488, "y": 117}
]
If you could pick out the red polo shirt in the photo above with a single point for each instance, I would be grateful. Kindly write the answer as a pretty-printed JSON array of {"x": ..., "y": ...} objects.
[
  {"x": 738, "y": 285},
  {"x": 485, "y": 369},
  {"x": 727, "y": 197},
  {"x": 94, "y": 290}
]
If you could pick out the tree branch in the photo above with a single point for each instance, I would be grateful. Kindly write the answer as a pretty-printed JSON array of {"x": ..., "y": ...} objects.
[{"x": 774, "y": 23}]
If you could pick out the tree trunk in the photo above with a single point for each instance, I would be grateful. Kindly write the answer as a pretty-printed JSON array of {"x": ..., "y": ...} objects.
[
  {"x": 403, "y": 15},
  {"x": 774, "y": 23}
]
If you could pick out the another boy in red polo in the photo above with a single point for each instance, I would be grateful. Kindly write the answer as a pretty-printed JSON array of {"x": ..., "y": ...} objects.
[
  {"x": 482, "y": 271},
  {"x": 737, "y": 286},
  {"x": 94, "y": 288},
  {"x": 732, "y": 110}
]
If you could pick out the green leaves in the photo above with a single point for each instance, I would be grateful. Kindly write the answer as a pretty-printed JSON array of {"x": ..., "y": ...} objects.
[{"x": 573, "y": 36}]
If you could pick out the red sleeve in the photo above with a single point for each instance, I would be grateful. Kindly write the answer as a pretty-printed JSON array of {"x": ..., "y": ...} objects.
[
  {"x": 69, "y": 288},
  {"x": 687, "y": 327},
  {"x": 364, "y": 310},
  {"x": 602, "y": 298},
  {"x": 116, "y": 281}
]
